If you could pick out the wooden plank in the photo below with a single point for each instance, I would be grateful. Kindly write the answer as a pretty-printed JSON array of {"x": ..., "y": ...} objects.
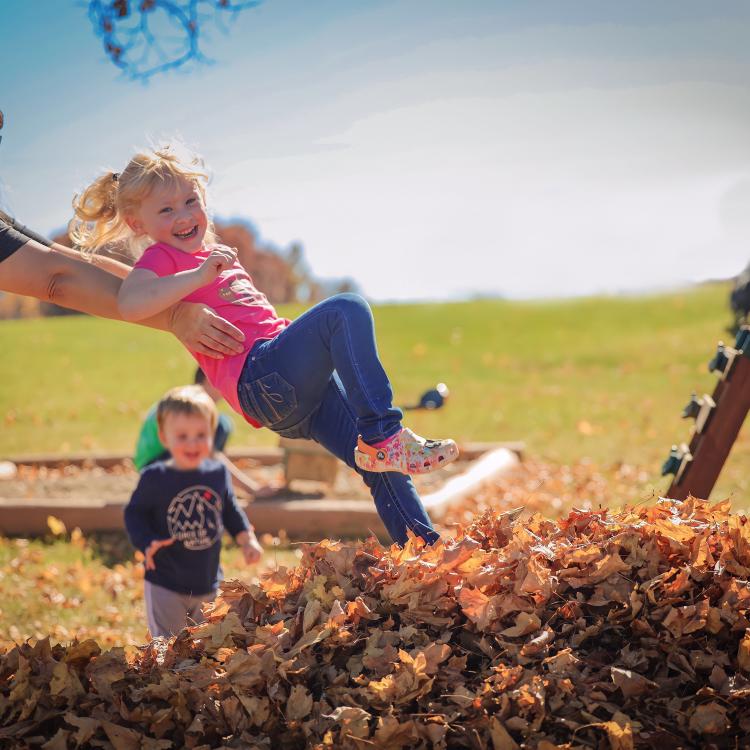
[
  {"x": 264, "y": 456},
  {"x": 711, "y": 447},
  {"x": 302, "y": 519}
]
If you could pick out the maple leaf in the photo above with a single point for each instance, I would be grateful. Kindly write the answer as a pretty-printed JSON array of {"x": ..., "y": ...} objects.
[
  {"x": 218, "y": 633},
  {"x": 478, "y": 607},
  {"x": 299, "y": 704},
  {"x": 65, "y": 683}
]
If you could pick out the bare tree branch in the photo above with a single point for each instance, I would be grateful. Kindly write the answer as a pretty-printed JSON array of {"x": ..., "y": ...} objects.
[{"x": 146, "y": 37}]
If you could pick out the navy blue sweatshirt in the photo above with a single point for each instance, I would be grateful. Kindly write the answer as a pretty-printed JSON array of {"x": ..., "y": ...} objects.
[{"x": 193, "y": 507}]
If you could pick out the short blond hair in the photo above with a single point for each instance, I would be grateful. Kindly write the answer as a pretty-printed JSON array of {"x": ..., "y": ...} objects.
[{"x": 187, "y": 399}]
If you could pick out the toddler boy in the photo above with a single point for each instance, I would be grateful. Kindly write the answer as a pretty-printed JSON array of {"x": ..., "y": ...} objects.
[
  {"x": 150, "y": 448},
  {"x": 178, "y": 512}
]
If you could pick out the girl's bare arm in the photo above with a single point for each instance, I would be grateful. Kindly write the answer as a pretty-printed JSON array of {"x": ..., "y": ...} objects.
[{"x": 144, "y": 293}]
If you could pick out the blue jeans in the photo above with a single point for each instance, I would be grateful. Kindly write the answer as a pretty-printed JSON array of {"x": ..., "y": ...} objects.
[{"x": 321, "y": 379}]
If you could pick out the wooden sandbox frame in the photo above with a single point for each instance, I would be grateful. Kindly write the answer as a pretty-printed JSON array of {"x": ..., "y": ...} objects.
[{"x": 307, "y": 519}]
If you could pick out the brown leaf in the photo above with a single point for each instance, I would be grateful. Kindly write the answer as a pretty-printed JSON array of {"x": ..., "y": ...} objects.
[
  {"x": 86, "y": 727},
  {"x": 525, "y": 623},
  {"x": 710, "y": 719},
  {"x": 631, "y": 683},
  {"x": 501, "y": 740},
  {"x": 620, "y": 738},
  {"x": 122, "y": 738},
  {"x": 354, "y": 721},
  {"x": 58, "y": 742},
  {"x": 299, "y": 704},
  {"x": 743, "y": 653}
]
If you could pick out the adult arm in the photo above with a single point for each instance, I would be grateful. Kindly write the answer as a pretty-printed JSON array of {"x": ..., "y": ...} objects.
[
  {"x": 110, "y": 265},
  {"x": 121, "y": 270},
  {"x": 36, "y": 271}
]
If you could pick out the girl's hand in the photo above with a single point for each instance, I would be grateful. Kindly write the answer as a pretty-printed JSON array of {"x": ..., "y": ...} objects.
[
  {"x": 251, "y": 549},
  {"x": 153, "y": 548},
  {"x": 219, "y": 260},
  {"x": 201, "y": 330}
]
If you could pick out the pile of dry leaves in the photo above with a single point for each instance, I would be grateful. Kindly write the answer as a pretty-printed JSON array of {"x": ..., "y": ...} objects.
[{"x": 596, "y": 630}]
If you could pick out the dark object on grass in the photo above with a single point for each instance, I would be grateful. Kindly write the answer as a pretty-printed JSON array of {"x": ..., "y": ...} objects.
[{"x": 435, "y": 398}]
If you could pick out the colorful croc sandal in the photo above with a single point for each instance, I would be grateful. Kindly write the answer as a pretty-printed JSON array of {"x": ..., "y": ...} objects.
[{"x": 406, "y": 453}]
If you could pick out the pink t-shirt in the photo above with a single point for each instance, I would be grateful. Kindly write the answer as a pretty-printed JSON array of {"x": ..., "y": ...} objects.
[{"x": 232, "y": 295}]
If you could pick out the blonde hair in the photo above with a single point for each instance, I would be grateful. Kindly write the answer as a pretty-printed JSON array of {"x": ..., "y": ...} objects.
[
  {"x": 187, "y": 399},
  {"x": 100, "y": 210}
]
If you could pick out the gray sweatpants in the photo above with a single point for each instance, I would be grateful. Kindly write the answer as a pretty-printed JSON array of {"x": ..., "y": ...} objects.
[{"x": 168, "y": 612}]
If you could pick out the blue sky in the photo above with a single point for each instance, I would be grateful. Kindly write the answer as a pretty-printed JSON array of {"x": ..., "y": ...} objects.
[{"x": 427, "y": 149}]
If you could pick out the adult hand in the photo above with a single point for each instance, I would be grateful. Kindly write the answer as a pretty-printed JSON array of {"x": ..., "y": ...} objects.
[
  {"x": 201, "y": 330},
  {"x": 153, "y": 548}
]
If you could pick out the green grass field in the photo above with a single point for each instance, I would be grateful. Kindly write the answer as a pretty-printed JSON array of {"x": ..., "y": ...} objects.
[
  {"x": 69, "y": 586},
  {"x": 604, "y": 378}
]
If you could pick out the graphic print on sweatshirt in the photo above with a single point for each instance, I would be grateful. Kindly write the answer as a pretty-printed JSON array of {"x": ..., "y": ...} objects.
[{"x": 194, "y": 517}]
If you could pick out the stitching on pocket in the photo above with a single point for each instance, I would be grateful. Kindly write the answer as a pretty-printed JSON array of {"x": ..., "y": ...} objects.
[
  {"x": 254, "y": 411},
  {"x": 275, "y": 398}
]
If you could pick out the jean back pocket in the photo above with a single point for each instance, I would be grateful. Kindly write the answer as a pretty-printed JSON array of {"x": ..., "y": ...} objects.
[{"x": 271, "y": 398}]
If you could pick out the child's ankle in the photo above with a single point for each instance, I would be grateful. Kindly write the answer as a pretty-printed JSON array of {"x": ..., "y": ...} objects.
[{"x": 386, "y": 441}]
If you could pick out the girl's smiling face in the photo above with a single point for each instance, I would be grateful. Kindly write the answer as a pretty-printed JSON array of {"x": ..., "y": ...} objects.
[{"x": 172, "y": 213}]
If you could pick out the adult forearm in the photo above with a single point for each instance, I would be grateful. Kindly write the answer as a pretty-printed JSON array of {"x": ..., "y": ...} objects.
[
  {"x": 36, "y": 271},
  {"x": 110, "y": 265}
]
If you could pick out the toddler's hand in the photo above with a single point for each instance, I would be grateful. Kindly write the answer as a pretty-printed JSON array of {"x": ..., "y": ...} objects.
[
  {"x": 153, "y": 548},
  {"x": 251, "y": 550},
  {"x": 219, "y": 260}
]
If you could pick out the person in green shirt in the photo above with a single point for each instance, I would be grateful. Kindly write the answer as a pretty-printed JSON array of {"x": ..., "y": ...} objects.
[{"x": 149, "y": 447}]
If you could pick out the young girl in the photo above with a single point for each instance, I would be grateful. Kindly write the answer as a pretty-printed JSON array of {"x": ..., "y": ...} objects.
[{"x": 318, "y": 377}]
